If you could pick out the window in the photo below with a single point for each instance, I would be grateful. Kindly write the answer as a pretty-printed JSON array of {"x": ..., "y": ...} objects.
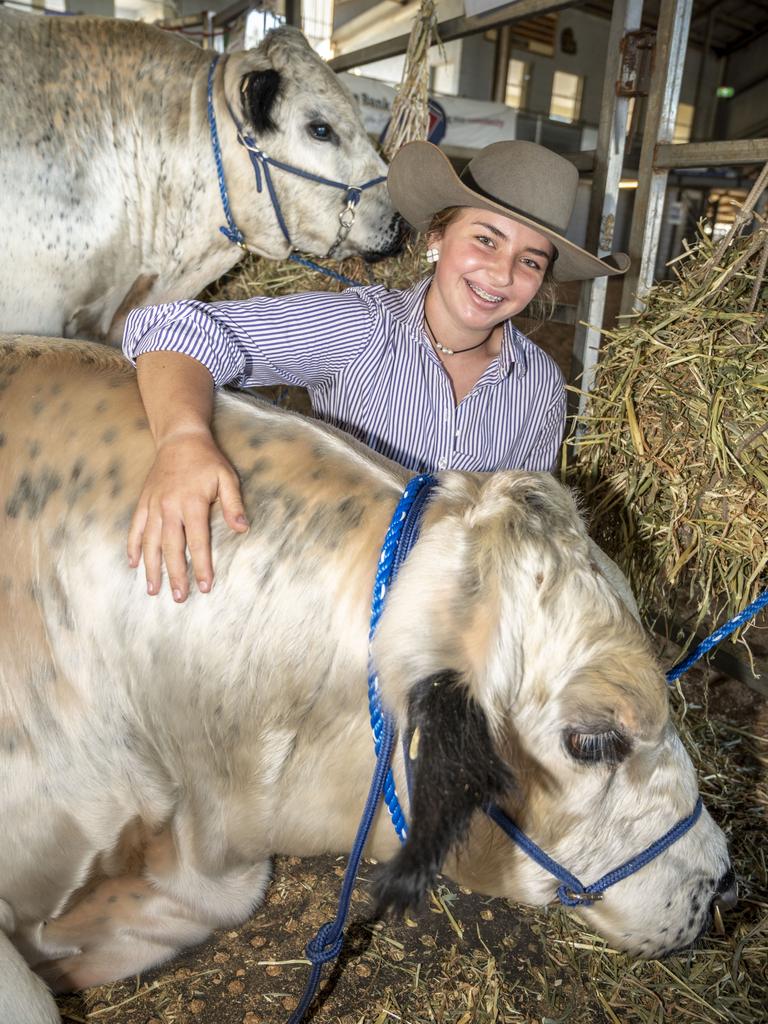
[
  {"x": 566, "y": 97},
  {"x": 317, "y": 24},
  {"x": 684, "y": 122},
  {"x": 517, "y": 84},
  {"x": 721, "y": 210}
]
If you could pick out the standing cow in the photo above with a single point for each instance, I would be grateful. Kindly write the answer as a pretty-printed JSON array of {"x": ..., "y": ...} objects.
[{"x": 109, "y": 195}]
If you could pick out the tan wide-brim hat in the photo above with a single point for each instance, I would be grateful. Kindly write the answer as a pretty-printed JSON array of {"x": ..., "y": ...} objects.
[{"x": 517, "y": 179}]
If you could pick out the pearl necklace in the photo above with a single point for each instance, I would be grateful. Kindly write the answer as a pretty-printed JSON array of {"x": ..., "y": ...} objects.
[{"x": 449, "y": 351}]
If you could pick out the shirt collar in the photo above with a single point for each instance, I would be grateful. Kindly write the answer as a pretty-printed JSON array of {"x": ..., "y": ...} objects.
[{"x": 408, "y": 307}]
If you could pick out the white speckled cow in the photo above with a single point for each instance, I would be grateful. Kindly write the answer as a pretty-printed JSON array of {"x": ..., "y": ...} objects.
[
  {"x": 109, "y": 196},
  {"x": 153, "y": 755}
]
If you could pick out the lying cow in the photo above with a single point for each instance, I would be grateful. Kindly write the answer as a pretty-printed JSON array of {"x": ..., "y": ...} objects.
[
  {"x": 107, "y": 167},
  {"x": 153, "y": 756}
]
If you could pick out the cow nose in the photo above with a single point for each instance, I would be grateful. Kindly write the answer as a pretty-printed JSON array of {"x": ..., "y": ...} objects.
[
  {"x": 399, "y": 233},
  {"x": 726, "y": 892}
]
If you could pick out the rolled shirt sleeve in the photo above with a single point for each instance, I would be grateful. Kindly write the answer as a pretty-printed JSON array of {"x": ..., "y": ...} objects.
[{"x": 303, "y": 339}]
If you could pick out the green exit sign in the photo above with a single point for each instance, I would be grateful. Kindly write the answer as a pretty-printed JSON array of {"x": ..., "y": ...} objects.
[{"x": 725, "y": 92}]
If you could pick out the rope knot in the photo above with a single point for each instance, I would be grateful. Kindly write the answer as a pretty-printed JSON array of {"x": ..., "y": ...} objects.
[
  {"x": 326, "y": 945},
  {"x": 570, "y": 896},
  {"x": 235, "y": 236}
]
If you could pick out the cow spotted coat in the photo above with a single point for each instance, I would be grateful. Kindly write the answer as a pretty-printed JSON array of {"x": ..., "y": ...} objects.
[{"x": 153, "y": 756}]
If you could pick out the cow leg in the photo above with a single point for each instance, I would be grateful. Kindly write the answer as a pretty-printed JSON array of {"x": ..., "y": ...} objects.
[
  {"x": 24, "y": 999},
  {"x": 125, "y": 926},
  {"x": 137, "y": 295}
]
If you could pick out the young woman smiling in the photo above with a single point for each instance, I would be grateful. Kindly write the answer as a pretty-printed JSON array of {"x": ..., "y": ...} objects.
[{"x": 434, "y": 377}]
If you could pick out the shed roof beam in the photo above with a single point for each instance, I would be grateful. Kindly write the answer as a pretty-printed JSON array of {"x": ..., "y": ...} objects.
[
  {"x": 670, "y": 156},
  {"x": 452, "y": 28}
]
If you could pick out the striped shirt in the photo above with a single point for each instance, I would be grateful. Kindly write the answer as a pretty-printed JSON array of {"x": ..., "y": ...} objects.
[{"x": 370, "y": 369}]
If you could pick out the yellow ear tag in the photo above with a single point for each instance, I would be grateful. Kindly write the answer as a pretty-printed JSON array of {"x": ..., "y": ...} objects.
[{"x": 413, "y": 749}]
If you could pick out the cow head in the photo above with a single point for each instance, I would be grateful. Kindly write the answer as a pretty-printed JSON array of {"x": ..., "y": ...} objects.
[
  {"x": 532, "y": 686},
  {"x": 298, "y": 112}
]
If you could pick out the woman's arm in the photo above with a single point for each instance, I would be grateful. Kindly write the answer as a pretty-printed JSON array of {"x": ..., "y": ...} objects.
[
  {"x": 182, "y": 350},
  {"x": 188, "y": 475}
]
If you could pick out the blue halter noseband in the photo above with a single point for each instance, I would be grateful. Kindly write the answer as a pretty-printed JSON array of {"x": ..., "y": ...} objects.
[{"x": 261, "y": 164}]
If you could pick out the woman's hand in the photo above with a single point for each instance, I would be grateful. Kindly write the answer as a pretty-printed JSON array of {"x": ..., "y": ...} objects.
[{"x": 188, "y": 475}]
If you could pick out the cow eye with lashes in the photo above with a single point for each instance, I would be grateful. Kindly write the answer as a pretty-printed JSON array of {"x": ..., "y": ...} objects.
[
  {"x": 321, "y": 131},
  {"x": 609, "y": 747}
]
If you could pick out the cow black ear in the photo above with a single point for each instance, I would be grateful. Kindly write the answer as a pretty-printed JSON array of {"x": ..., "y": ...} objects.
[
  {"x": 455, "y": 772},
  {"x": 259, "y": 90}
]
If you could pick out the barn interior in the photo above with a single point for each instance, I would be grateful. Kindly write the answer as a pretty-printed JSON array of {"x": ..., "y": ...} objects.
[{"x": 657, "y": 104}]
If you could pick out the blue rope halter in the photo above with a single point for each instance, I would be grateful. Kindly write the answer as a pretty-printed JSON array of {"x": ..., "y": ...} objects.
[
  {"x": 261, "y": 164},
  {"x": 402, "y": 534}
]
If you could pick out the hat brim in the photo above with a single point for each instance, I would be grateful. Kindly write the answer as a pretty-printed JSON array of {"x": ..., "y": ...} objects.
[{"x": 421, "y": 182}]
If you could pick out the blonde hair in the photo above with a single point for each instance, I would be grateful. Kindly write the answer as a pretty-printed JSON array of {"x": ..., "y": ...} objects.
[{"x": 541, "y": 307}]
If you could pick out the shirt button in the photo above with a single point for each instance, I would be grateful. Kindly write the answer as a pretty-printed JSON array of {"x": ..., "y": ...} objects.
[
  {"x": 442, "y": 463},
  {"x": 446, "y": 415}
]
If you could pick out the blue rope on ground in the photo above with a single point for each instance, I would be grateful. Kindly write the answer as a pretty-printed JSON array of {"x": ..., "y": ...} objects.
[
  {"x": 327, "y": 944},
  {"x": 719, "y": 634}
]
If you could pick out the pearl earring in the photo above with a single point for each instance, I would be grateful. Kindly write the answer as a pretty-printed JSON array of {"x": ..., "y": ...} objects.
[{"x": 433, "y": 255}]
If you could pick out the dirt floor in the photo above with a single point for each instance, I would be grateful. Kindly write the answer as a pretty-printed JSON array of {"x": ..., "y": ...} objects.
[{"x": 468, "y": 959}]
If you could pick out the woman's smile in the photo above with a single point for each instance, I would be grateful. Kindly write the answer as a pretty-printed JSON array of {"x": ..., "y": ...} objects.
[{"x": 485, "y": 296}]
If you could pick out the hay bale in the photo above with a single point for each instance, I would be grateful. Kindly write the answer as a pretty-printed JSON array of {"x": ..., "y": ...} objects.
[
  {"x": 672, "y": 456},
  {"x": 254, "y": 275}
]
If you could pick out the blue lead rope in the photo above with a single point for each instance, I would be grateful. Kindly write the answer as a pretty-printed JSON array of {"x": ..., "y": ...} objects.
[
  {"x": 720, "y": 634},
  {"x": 232, "y": 231},
  {"x": 341, "y": 278},
  {"x": 401, "y": 536}
]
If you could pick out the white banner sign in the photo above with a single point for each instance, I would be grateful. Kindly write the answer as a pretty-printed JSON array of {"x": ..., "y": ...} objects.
[{"x": 469, "y": 123}]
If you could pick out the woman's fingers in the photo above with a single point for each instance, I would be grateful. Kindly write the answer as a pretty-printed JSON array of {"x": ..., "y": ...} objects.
[
  {"x": 151, "y": 550},
  {"x": 174, "y": 515},
  {"x": 232, "y": 503},
  {"x": 197, "y": 525},
  {"x": 135, "y": 534},
  {"x": 173, "y": 546}
]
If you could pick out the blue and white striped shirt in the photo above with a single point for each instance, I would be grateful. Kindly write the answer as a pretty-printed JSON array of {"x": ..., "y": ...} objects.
[{"x": 370, "y": 369}]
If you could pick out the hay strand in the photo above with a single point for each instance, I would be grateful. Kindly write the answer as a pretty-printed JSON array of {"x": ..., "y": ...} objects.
[{"x": 410, "y": 111}]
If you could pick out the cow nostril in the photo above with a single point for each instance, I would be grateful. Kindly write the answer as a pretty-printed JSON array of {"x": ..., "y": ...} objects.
[
  {"x": 726, "y": 891},
  {"x": 726, "y": 900}
]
